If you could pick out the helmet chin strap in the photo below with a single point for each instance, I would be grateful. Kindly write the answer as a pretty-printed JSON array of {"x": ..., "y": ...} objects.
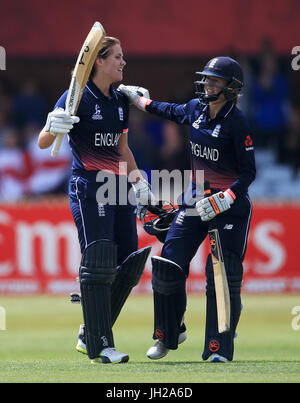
[{"x": 213, "y": 97}]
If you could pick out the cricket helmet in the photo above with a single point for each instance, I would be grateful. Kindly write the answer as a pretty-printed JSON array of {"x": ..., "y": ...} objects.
[
  {"x": 221, "y": 67},
  {"x": 158, "y": 220}
]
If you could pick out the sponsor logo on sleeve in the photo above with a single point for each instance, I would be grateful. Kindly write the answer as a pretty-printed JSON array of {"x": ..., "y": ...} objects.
[{"x": 249, "y": 143}]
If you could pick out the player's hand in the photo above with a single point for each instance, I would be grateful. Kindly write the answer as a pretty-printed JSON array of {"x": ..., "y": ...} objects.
[
  {"x": 209, "y": 207},
  {"x": 141, "y": 211},
  {"x": 137, "y": 96},
  {"x": 60, "y": 122},
  {"x": 143, "y": 193}
]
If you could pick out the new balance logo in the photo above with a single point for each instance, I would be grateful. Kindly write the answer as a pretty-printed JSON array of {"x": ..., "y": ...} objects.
[
  {"x": 228, "y": 226},
  {"x": 104, "y": 341}
]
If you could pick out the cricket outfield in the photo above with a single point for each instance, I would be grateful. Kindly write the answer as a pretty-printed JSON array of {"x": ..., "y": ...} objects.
[{"x": 38, "y": 344}]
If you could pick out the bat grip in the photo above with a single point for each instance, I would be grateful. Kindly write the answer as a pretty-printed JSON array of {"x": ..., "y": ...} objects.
[
  {"x": 57, "y": 143},
  {"x": 207, "y": 193}
]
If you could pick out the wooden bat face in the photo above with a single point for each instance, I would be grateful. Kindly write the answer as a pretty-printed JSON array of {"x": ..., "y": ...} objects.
[
  {"x": 83, "y": 67},
  {"x": 81, "y": 72},
  {"x": 221, "y": 284},
  {"x": 220, "y": 277}
]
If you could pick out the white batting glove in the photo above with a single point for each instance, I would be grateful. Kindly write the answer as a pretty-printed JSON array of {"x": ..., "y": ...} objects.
[
  {"x": 60, "y": 122},
  {"x": 137, "y": 96},
  {"x": 143, "y": 193},
  {"x": 209, "y": 207},
  {"x": 141, "y": 211}
]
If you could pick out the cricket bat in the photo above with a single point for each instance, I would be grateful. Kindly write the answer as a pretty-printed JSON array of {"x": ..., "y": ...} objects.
[
  {"x": 80, "y": 75},
  {"x": 220, "y": 277}
]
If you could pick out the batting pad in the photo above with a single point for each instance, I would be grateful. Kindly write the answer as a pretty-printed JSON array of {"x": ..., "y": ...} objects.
[
  {"x": 128, "y": 276},
  {"x": 97, "y": 272},
  {"x": 168, "y": 283}
]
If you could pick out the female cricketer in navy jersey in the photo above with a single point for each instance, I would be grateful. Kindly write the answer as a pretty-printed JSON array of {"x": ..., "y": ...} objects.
[
  {"x": 221, "y": 148},
  {"x": 111, "y": 264}
]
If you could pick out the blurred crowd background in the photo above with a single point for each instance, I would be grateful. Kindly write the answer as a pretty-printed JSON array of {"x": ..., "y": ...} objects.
[{"x": 269, "y": 100}]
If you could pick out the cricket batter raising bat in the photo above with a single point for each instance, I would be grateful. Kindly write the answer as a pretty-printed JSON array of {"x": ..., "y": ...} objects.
[
  {"x": 221, "y": 147},
  {"x": 111, "y": 265}
]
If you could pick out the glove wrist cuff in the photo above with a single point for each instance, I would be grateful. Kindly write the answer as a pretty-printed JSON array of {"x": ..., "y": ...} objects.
[
  {"x": 142, "y": 102},
  {"x": 229, "y": 196}
]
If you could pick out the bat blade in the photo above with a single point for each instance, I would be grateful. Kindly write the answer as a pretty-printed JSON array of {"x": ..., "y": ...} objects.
[
  {"x": 220, "y": 277},
  {"x": 80, "y": 75},
  {"x": 221, "y": 284}
]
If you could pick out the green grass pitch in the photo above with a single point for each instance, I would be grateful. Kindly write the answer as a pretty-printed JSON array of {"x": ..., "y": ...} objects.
[{"x": 38, "y": 345}]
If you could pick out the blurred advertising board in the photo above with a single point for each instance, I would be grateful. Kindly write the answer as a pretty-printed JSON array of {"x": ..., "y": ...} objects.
[{"x": 39, "y": 251}]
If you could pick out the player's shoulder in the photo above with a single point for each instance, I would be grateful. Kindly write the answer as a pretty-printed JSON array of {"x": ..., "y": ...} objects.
[
  {"x": 238, "y": 113},
  {"x": 193, "y": 104},
  {"x": 238, "y": 118},
  {"x": 120, "y": 97}
]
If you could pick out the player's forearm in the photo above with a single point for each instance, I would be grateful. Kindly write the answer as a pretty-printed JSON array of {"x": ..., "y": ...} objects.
[
  {"x": 171, "y": 111},
  {"x": 45, "y": 139},
  {"x": 133, "y": 173}
]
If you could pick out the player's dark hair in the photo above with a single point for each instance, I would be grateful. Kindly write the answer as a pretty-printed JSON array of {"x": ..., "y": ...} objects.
[{"x": 108, "y": 43}]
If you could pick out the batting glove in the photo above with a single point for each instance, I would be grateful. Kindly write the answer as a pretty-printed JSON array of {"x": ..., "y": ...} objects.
[
  {"x": 143, "y": 193},
  {"x": 137, "y": 96},
  {"x": 60, "y": 122},
  {"x": 209, "y": 207},
  {"x": 141, "y": 211}
]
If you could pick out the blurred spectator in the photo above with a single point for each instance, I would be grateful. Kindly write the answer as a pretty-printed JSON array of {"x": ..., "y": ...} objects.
[
  {"x": 140, "y": 142},
  {"x": 29, "y": 106},
  {"x": 174, "y": 157},
  {"x": 245, "y": 102},
  {"x": 292, "y": 144},
  {"x": 15, "y": 168},
  {"x": 270, "y": 98},
  {"x": 173, "y": 152},
  {"x": 4, "y": 127},
  {"x": 49, "y": 175}
]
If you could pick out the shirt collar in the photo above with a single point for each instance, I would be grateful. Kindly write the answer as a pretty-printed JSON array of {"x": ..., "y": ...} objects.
[
  {"x": 223, "y": 112},
  {"x": 96, "y": 92}
]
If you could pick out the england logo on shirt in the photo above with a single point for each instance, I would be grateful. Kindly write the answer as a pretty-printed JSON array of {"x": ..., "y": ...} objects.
[
  {"x": 121, "y": 114},
  {"x": 97, "y": 115},
  {"x": 216, "y": 131}
]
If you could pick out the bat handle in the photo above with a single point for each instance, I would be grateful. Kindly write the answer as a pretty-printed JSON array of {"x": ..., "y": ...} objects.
[
  {"x": 207, "y": 193},
  {"x": 57, "y": 143},
  {"x": 207, "y": 190}
]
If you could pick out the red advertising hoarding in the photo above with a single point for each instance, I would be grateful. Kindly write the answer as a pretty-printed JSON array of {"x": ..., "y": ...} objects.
[
  {"x": 166, "y": 28},
  {"x": 39, "y": 251}
]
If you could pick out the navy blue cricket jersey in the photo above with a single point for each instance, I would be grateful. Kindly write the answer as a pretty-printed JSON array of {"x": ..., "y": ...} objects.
[
  {"x": 94, "y": 140},
  {"x": 221, "y": 147}
]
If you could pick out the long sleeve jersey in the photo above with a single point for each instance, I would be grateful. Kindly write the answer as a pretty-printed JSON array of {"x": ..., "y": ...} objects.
[
  {"x": 221, "y": 147},
  {"x": 94, "y": 140}
]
